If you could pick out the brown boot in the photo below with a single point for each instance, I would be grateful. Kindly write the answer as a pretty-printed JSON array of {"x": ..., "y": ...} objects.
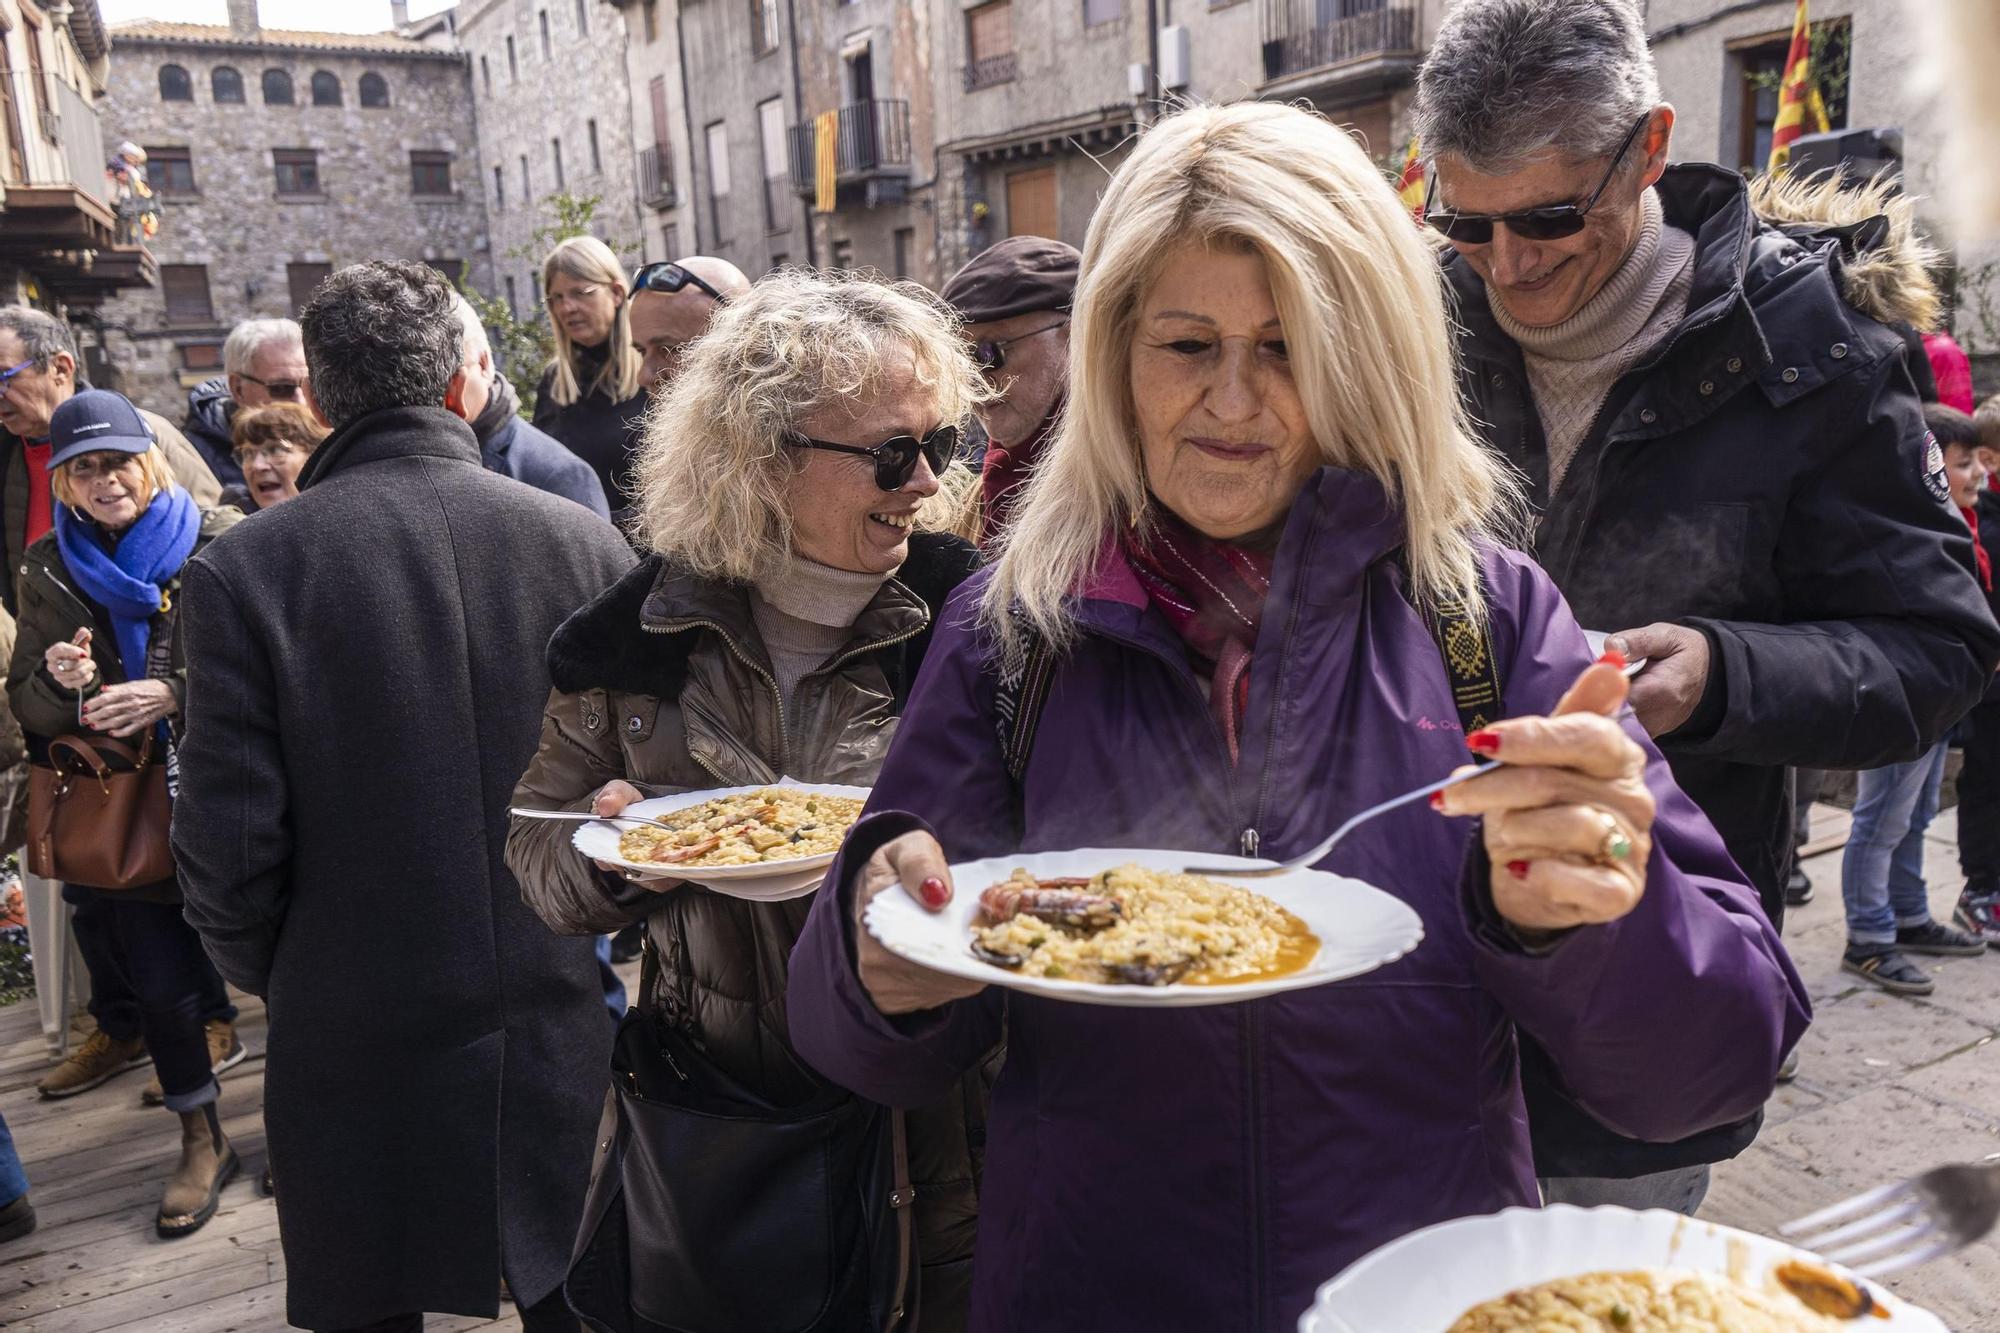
[
  {"x": 207, "y": 1164},
  {"x": 100, "y": 1058},
  {"x": 224, "y": 1052}
]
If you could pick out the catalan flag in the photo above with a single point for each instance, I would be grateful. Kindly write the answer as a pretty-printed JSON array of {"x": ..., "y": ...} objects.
[
  {"x": 826, "y": 133},
  {"x": 1410, "y": 184},
  {"x": 1800, "y": 108}
]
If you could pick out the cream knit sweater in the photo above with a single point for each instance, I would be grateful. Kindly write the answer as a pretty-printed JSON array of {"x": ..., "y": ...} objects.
[
  {"x": 1572, "y": 365},
  {"x": 804, "y": 612}
]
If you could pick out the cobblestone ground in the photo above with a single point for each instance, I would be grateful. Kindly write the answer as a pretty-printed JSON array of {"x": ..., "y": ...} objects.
[{"x": 1887, "y": 1087}]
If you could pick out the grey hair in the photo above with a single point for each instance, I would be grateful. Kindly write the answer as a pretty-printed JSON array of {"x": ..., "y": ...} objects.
[
  {"x": 475, "y": 340},
  {"x": 1507, "y": 80},
  {"x": 253, "y": 336},
  {"x": 42, "y": 335},
  {"x": 379, "y": 335}
]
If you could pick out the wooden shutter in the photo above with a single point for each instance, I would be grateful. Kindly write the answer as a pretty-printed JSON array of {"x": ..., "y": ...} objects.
[
  {"x": 303, "y": 278},
  {"x": 1031, "y": 203},
  {"x": 185, "y": 287},
  {"x": 657, "y": 91},
  {"x": 992, "y": 31}
]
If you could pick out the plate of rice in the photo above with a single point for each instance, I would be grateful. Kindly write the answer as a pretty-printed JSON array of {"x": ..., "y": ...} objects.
[
  {"x": 1126, "y": 928},
  {"x": 1601, "y": 1270},
  {"x": 767, "y": 842}
]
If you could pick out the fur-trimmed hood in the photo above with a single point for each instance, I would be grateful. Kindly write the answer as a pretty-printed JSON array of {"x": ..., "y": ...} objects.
[{"x": 1884, "y": 261}]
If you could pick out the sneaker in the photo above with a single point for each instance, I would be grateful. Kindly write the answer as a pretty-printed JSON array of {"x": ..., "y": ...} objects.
[
  {"x": 1936, "y": 938},
  {"x": 629, "y": 943},
  {"x": 17, "y": 1219},
  {"x": 224, "y": 1052},
  {"x": 1789, "y": 1070},
  {"x": 1978, "y": 915},
  {"x": 1888, "y": 969},
  {"x": 1798, "y": 889},
  {"x": 100, "y": 1059}
]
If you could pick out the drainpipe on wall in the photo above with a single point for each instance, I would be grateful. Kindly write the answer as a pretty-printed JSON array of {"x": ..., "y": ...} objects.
[
  {"x": 1150, "y": 112},
  {"x": 687, "y": 119},
  {"x": 799, "y": 108}
]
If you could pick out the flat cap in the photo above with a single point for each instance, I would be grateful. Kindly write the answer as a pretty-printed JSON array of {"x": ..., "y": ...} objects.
[{"x": 1019, "y": 275}]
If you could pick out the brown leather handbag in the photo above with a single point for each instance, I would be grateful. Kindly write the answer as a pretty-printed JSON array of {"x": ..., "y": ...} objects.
[{"x": 97, "y": 814}]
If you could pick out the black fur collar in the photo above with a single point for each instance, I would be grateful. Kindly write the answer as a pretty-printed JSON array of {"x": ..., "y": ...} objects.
[{"x": 603, "y": 646}]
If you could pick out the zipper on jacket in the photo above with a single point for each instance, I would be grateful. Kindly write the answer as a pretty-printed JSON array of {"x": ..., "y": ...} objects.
[
  {"x": 777, "y": 695},
  {"x": 1253, "y": 839}
]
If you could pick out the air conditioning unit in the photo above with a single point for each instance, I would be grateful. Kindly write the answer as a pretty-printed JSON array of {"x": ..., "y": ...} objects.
[
  {"x": 1137, "y": 76},
  {"x": 1174, "y": 57}
]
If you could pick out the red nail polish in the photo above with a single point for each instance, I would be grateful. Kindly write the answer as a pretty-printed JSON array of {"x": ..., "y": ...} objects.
[
  {"x": 1483, "y": 742},
  {"x": 1518, "y": 869},
  {"x": 1437, "y": 800},
  {"x": 1612, "y": 657},
  {"x": 933, "y": 891}
]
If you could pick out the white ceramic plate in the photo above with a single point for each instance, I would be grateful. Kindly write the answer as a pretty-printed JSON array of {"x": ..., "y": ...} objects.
[
  {"x": 1359, "y": 927},
  {"x": 765, "y": 881},
  {"x": 1423, "y": 1282}
]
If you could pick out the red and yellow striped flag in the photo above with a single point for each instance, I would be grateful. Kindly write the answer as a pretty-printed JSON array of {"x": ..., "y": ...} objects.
[
  {"x": 826, "y": 131},
  {"x": 1410, "y": 184},
  {"x": 1800, "y": 108}
]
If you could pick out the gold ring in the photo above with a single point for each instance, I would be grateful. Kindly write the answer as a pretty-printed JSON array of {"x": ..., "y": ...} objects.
[{"x": 1616, "y": 846}]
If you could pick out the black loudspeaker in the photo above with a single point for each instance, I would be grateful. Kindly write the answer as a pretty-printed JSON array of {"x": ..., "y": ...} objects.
[{"x": 1856, "y": 154}]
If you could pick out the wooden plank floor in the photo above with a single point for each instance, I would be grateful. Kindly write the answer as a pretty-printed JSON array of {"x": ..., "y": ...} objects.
[{"x": 96, "y": 1164}]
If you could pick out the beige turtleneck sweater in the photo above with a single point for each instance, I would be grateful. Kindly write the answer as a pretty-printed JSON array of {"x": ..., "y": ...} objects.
[
  {"x": 804, "y": 611},
  {"x": 1572, "y": 365}
]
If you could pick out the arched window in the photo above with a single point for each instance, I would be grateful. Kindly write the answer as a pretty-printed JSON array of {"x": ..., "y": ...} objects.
[
  {"x": 326, "y": 89},
  {"x": 277, "y": 88},
  {"x": 226, "y": 84},
  {"x": 374, "y": 90},
  {"x": 175, "y": 85}
]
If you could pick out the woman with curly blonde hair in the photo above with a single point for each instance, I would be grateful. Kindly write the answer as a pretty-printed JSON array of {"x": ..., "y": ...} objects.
[
  {"x": 1257, "y": 573},
  {"x": 786, "y": 489},
  {"x": 591, "y": 397}
]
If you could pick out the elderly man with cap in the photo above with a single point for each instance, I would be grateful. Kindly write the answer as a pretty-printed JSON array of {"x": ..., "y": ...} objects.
[
  {"x": 1015, "y": 299},
  {"x": 671, "y": 305}
]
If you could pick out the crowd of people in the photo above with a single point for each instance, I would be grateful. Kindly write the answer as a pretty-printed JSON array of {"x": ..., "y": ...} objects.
[{"x": 1290, "y": 506}]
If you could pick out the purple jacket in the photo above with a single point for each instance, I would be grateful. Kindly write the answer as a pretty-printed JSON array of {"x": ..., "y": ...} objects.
[{"x": 1208, "y": 1168}]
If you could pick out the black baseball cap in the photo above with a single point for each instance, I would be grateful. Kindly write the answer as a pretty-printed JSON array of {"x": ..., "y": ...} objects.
[{"x": 95, "y": 420}]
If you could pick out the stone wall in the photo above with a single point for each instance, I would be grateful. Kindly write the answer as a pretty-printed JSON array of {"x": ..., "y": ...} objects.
[
  {"x": 666, "y": 214},
  {"x": 527, "y": 103},
  {"x": 753, "y": 225},
  {"x": 238, "y": 227}
]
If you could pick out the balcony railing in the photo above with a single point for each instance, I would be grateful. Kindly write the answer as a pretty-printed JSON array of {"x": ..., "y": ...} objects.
[
  {"x": 873, "y": 137},
  {"x": 54, "y": 139},
  {"x": 985, "y": 73},
  {"x": 656, "y": 176},
  {"x": 1302, "y": 35}
]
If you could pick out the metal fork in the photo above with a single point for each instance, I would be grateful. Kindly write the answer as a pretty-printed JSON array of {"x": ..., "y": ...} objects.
[
  {"x": 1910, "y": 1222},
  {"x": 582, "y": 817}
]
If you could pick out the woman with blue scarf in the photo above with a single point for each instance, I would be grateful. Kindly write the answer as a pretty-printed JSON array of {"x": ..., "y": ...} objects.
[{"x": 97, "y": 655}]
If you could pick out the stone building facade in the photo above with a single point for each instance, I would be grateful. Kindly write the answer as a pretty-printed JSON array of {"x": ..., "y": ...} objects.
[
  {"x": 553, "y": 112},
  {"x": 279, "y": 156},
  {"x": 662, "y": 151}
]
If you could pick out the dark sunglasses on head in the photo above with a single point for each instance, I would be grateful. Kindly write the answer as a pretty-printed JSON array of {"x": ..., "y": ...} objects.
[
  {"x": 670, "y": 278},
  {"x": 991, "y": 354},
  {"x": 895, "y": 459},
  {"x": 1535, "y": 224},
  {"x": 282, "y": 390}
]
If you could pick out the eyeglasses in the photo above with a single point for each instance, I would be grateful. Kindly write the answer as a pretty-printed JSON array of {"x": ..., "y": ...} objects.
[
  {"x": 284, "y": 391},
  {"x": 277, "y": 451},
  {"x": 7, "y": 375},
  {"x": 670, "y": 278},
  {"x": 991, "y": 354},
  {"x": 895, "y": 459},
  {"x": 1535, "y": 224},
  {"x": 574, "y": 296}
]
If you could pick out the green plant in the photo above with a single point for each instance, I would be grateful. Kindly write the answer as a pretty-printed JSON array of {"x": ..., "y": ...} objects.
[
  {"x": 1832, "y": 63},
  {"x": 1975, "y": 307},
  {"x": 522, "y": 342}
]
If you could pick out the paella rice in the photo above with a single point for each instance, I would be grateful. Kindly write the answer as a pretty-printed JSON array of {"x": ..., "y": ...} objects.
[
  {"x": 1135, "y": 925},
  {"x": 749, "y": 828},
  {"x": 1646, "y": 1301}
]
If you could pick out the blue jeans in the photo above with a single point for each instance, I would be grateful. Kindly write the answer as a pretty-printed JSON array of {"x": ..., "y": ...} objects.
[
  {"x": 1678, "y": 1191},
  {"x": 1882, "y": 871},
  {"x": 112, "y": 1002},
  {"x": 168, "y": 973},
  {"x": 614, "y": 989},
  {"x": 13, "y": 1180}
]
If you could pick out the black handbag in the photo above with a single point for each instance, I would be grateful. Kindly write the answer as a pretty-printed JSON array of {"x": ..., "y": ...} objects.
[{"x": 711, "y": 1210}]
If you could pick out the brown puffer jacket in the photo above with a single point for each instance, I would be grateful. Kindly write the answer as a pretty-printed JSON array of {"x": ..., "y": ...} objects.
[{"x": 663, "y": 682}]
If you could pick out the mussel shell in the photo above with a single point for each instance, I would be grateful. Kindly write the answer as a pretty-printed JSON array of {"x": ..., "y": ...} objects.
[{"x": 1006, "y": 960}]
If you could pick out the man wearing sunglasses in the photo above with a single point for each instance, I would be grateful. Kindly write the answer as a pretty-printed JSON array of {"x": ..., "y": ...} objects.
[
  {"x": 671, "y": 306},
  {"x": 1015, "y": 299},
  {"x": 1723, "y": 445},
  {"x": 263, "y": 361}
]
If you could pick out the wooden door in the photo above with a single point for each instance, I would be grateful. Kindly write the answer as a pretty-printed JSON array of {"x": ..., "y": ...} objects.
[{"x": 1031, "y": 203}]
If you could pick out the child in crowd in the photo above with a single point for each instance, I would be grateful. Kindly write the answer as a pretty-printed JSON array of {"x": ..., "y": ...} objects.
[
  {"x": 1882, "y": 871},
  {"x": 1978, "y": 911}
]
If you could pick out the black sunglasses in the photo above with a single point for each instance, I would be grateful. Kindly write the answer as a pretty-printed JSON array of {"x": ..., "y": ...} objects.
[
  {"x": 284, "y": 391},
  {"x": 991, "y": 354},
  {"x": 1534, "y": 224},
  {"x": 670, "y": 278},
  {"x": 895, "y": 459}
]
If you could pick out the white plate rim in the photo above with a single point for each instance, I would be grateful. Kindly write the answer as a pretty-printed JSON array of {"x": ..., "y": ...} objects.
[
  {"x": 1323, "y": 1317},
  {"x": 657, "y": 806},
  {"x": 1399, "y": 931}
]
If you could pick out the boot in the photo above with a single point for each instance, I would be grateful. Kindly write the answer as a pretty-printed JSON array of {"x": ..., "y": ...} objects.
[{"x": 207, "y": 1164}]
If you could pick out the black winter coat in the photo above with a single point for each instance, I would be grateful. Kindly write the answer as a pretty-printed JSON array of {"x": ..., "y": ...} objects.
[
  {"x": 1764, "y": 476},
  {"x": 208, "y": 428},
  {"x": 603, "y": 433},
  {"x": 365, "y": 683}
]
